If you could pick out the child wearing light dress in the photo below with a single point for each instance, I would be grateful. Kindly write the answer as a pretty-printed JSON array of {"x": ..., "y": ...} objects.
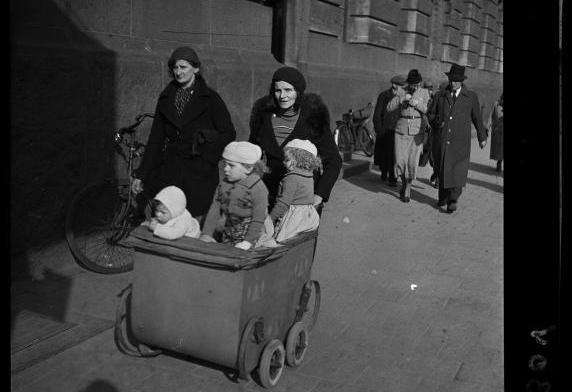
[
  {"x": 171, "y": 219},
  {"x": 294, "y": 211},
  {"x": 240, "y": 204}
]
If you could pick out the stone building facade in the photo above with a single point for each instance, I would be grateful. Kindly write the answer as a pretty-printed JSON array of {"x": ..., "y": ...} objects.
[{"x": 81, "y": 68}]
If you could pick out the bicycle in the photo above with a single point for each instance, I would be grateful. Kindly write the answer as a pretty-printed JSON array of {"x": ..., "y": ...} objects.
[
  {"x": 104, "y": 212},
  {"x": 351, "y": 133}
]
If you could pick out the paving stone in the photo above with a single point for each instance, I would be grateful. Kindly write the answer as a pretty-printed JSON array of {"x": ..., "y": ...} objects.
[
  {"x": 336, "y": 365},
  {"x": 330, "y": 386}
]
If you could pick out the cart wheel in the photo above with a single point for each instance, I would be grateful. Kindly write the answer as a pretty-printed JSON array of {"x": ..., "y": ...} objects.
[
  {"x": 296, "y": 344},
  {"x": 124, "y": 340},
  {"x": 247, "y": 339},
  {"x": 271, "y": 363},
  {"x": 310, "y": 304}
]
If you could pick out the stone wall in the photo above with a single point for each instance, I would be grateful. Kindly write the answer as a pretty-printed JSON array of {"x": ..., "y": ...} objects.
[{"x": 81, "y": 68}]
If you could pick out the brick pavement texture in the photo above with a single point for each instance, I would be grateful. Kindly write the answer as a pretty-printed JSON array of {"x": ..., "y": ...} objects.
[{"x": 411, "y": 301}]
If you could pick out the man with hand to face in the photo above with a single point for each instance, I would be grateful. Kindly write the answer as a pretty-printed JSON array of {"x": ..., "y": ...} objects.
[{"x": 384, "y": 123}]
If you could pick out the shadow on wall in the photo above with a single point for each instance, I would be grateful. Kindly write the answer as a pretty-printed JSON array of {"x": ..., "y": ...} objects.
[{"x": 62, "y": 102}]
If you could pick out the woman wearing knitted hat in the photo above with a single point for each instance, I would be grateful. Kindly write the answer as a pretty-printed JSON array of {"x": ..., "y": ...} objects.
[
  {"x": 288, "y": 113},
  {"x": 191, "y": 127}
]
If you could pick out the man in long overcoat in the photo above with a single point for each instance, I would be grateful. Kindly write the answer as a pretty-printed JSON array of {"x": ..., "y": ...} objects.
[
  {"x": 384, "y": 124},
  {"x": 450, "y": 115}
]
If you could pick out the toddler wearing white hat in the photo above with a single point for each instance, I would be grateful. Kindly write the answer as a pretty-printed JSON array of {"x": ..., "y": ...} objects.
[
  {"x": 294, "y": 211},
  {"x": 240, "y": 204},
  {"x": 171, "y": 218}
]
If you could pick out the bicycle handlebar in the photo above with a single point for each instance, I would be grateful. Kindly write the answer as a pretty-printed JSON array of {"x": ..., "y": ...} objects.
[{"x": 138, "y": 120}]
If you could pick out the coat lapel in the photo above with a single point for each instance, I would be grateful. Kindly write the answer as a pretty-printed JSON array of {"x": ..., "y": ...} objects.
[
  {"x": 166, "y": 105},
  {"x": 271, "y": 142},
  {"x": 196, "y": 105},
  {"x": 299, "y": 131}
]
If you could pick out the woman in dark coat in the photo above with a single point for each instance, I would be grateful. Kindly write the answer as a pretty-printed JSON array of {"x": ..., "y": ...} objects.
[
  {"x": 190, "y": 130},
  {"x": 287, "y": 113}
]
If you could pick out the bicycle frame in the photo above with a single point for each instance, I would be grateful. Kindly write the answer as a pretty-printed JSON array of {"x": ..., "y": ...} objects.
[
  {"x": 354, "y": 125},
  {"x": 134, "y": 148}
]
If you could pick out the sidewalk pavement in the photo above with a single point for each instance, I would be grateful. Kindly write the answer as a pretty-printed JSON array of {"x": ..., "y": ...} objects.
[{"x": 412, "y": 300}]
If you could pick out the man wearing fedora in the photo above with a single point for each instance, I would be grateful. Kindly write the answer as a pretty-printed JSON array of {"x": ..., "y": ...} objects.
[
  {"x": 409, "y": 133},
  {"x": 384, "y": 124},
  {"x": 451, "y": 113}
]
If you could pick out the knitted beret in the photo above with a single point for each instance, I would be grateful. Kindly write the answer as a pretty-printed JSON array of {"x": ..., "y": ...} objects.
[
  {"x": 184, "y": 53},
  {"x": 303, "y": 145},
  {"x": 290, "y": 75},
  {"x": 242, "y": 152}
]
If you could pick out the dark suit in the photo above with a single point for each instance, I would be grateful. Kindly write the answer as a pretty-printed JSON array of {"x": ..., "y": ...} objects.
[{"x": 450, "y": 121}]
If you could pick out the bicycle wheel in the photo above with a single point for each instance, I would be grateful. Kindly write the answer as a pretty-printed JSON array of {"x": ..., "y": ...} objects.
[
  {"x": 366, "y": 141},
  {"x": 344, "y": 138},
  {"x": 98, "y": 218}
]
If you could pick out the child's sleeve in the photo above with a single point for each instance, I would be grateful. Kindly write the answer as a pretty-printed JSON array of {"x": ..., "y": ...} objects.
[
  {"x": 213, "y": 215},
  {"x": 259, "y": 196},
  {"x": 286, "y": 194},
  {"x": 172, "y": 231}
]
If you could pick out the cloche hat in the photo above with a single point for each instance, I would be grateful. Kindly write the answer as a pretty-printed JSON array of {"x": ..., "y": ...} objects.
[
  {"x": 290, "y": 75},
  {"x": 184, "y": 53}
]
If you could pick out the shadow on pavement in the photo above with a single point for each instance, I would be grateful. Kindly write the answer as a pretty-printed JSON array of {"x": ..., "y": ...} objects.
[
  {"x": 371, "y": 182},
  {"x": 99, "y": 386},
  {"x": 485, "y": 169},
  {"x": 493, "y": 187},
  {"x": 46, "y": 297}
]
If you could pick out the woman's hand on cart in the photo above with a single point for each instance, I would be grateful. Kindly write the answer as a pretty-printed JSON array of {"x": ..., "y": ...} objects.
[{"x": 245, "y": 245}]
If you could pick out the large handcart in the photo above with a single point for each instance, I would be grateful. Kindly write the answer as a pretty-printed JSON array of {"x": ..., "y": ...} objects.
[{"x": 243, "y": 310}]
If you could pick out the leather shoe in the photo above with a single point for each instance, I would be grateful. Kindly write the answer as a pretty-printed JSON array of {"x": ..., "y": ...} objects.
[
  {"x": 441, "y": 203},
  {"x": 451, "y": 207},
  {"x": 405, "y": 199}
]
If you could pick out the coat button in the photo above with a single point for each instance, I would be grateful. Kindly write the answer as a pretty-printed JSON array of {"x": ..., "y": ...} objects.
[
  {"x": 449, "y": 130},
  {"x": 448, "y": 142},
  {"x": 450, "y": 118}
]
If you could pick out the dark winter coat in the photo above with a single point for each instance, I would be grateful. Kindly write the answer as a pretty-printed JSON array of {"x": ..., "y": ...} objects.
[
  {"x": 451, "y": 123},
  {"x": 184, "y": 151},
  {"x": 313, "y": 124},
  {"x": 384, "y": 123}
]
